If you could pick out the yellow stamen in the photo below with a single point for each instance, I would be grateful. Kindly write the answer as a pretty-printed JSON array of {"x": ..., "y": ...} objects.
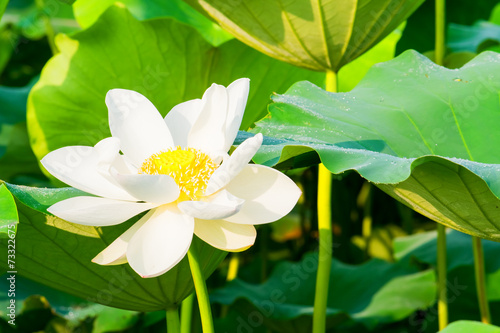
[{"x": 190, "y": 168}]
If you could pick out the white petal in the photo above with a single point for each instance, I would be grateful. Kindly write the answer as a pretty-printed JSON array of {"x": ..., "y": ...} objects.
[
  {"x": 136, "y": 122},
  {"x": 269, "y": 195},
  {"x": 116, "y": 252},
  {"x": 208, "y": 132},
  {"x": 181, "y": 118},
  {"x": 158, "y": 189},
  {"x": 123, "y": 165},
  {"x": 161, "y": 242},
  {"x": 225, "y": 235},
  {"x": 233, "y": 165},
  {"x": 238, "y": 95},
  {"x": 219, "y": 206},
  {"x": 97, "y": 211},
  {"x": 87, "y": 168}
]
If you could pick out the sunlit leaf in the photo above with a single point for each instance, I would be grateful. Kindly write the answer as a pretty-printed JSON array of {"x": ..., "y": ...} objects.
[
  {"x": 350, "y": 74},
  {"x": 165, "y": 60},
  {"x": 319, "y": 35},
  {"x": 114, "y": 320},
  {"x": 3, "y": 5},
  {"x": 422, "y": 133},
  {"x": 87, "y": 12},
  {"x": 470, "y": 326},
  {"x": 8, "y": 214}
]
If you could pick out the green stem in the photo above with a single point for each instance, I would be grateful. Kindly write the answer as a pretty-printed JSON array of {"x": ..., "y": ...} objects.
[
  {"x": 201, "y": 291},
  {"x": 325, "y": 234},
  {"x": 480, "y": 280},
  {"x": 187, "y": 314},
  {"x": 441, "y": 272},
  {"x": 365, "y": 202},
  {"x": 173, "y": 320},
  {"x": 439, "y": 48}
]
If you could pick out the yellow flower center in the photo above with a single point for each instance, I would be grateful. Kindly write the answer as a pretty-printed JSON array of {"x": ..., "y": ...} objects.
[{"x": 190, "y": 168}]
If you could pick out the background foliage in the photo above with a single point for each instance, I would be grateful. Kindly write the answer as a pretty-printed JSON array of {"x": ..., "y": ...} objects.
[{"x": 420, "y": 132}]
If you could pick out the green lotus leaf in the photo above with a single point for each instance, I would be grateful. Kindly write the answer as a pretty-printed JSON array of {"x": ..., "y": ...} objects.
[
  {"x": 424, "y": 134},
  {"x": 40, "y": 199},
  {"x": 8, "y": 214},
  {"x": 420, "y": 249},
  {"x": 16, "y": 157},
  {"x": 373, "y": 293},
  {"x": 166, "y": 61},
  {"x": 3, "y": 5},
  {"x": 470, "y": 326},
  {"x": 87, "y": 12},
  {"x": 58, "y": 254},
  {"x": 423, "y": 246},
  {"x": 350, "y": 74},
  {"x": 473, "y": 38},
  {"x": 319, "y": 35}
]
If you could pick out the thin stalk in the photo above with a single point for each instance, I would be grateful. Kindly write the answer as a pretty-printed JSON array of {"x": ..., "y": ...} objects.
[
  {"x": 187, "y": 314},
  {"x": 365, "y": 202},
  {"x": 439, "y": 50},
  {"x": 201, "y": 291},
  {"x": 440, "y": 45},
  {"x": 173, "y": 320},
  {"x": 482, "y": 298},
  {"x": 325, "y": 234},
  {"x": 441, "y": 273}
]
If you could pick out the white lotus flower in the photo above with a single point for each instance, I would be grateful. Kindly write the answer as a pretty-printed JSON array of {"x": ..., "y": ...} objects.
[{"x": 178, "y": 169}]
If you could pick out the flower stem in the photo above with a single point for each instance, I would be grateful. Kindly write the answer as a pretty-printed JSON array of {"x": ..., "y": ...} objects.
[
  {"x": 187, "y": 314},
  {"x": 325, "y": 234},
  {"x": 441, "y": 272},
  {"x": 480, "y": 280},
  {"x": 173, "y": 320},
  {"x": 439, "y": 48},
  {"x": 201, "y": 291}
]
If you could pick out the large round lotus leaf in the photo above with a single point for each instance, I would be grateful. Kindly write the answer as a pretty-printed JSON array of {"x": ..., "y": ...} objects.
[
  {"x": 58, "y": 254},
  {"x": 88, "y": 11},
  {"x": 166, "y": 61},
  {"x": 373, "y": 293},
  {"x": 424, "y": 134},
  {"x": 319, "y": 35}
]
